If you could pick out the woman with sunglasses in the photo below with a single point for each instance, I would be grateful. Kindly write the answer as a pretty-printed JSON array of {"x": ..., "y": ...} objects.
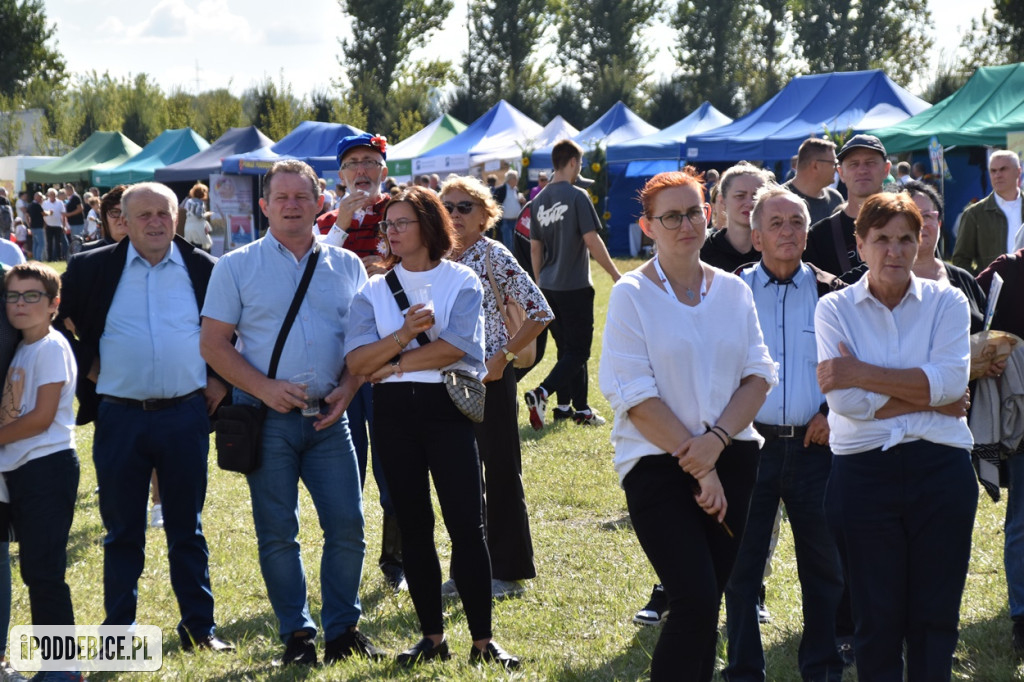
[
  {"x": 472, "y": 211},
  {"x": 685, "y": 368},
  {"x": 420, "y": 433}
]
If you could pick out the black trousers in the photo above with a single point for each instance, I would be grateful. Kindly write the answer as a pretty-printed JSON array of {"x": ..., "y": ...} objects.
[
  {"x": 508, "y": 523},
  {"x": 420, "y": 435},
  {"x": 573, "y": 332},
  {"x": 691, "y": 552}
]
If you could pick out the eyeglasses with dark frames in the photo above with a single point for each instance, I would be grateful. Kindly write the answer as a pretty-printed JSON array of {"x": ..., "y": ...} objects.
[
  {"x": 698, "y": 217},
  {"x": 33, "y": 296},
  {"x": 399, "y": 226}
]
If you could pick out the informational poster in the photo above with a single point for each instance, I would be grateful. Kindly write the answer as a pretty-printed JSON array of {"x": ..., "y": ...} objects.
[
  {"x": 1015, "y": 143},
  {"x": 231, "y": 207}
]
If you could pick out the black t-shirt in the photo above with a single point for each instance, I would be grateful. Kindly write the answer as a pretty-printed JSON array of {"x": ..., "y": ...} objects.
[
  {"x": 719, "y": 252},
  {"x": 823, "y": 251},
  {"x": 35, "y": 215},
  {"x": 72, "y": 204}
]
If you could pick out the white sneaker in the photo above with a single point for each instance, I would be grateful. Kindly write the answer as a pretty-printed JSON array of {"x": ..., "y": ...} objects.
[
  {"x": 9, "y": 674},
  {"x": 156, "y": 516},
  {"x": 537, "y": 403}
]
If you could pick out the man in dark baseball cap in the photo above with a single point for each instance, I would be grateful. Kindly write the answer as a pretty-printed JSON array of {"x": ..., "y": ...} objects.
[{"x": 863, "y": 166}]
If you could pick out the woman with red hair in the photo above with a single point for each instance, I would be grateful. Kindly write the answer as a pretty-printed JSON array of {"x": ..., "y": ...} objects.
[{"x": 685, "y": 368}]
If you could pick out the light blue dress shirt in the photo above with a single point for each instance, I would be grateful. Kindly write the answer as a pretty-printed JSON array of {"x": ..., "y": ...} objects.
[
  {"x": 252, "y": 289},
  {"x": 786, "y": 313},
  {"x": 150, "y": 344}
]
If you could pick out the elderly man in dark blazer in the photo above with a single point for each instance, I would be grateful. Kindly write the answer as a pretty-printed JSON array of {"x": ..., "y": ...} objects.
[{"x": 134, "y": 308}]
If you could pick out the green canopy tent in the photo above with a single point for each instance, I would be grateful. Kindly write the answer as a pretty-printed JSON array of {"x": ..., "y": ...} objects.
[
  {"x": 102, "y": 150},
  {"x": 169, "y": 147},
  {"x": 980, "y": 113},
  {"x": 434, "y": 133}
]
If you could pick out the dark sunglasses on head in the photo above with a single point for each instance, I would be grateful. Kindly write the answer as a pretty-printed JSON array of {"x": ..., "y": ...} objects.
[{"x": 463, "y": 207}]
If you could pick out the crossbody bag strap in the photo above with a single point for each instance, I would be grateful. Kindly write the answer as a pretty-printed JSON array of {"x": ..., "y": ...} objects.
[
  {"x": 289, "y": 318},
  {"x": 402, "y": 300},
  {"x": 498, "y": 298}
]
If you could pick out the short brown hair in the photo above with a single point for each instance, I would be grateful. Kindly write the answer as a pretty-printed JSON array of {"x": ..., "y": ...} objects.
[
  {"x": 41, "y": 272},
  {"x": 563, "y": 152},
  {"x": 688, "y": 176},
  {"x": 880, "y": 208},
  {"x": 199, "y": 191},
  {"x": 436, "y": 230},
  {"x": 110, "y": 201},
  {"x": 291, "y": 166},
  {"x": 811, "y": 147}
]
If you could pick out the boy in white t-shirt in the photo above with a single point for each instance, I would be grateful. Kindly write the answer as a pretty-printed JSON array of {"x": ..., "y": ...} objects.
[{"x": 37, "y": 452}]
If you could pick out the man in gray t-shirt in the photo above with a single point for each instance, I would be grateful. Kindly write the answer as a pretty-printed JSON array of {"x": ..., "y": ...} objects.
[
  {"x": 815, "y": 171},
  {"x": 563, "y": 231}
]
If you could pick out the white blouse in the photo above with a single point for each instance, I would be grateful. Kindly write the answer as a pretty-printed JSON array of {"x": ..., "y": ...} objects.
[
  {"x": 929, "y": 330},
  {"x": 692, "y": 358}
]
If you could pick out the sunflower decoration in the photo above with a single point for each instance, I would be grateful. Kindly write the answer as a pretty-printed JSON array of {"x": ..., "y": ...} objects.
[
  {"x": 597, "y": 170},
  {"x": 606, "y": 216},
  {"x": 595, "y": 167},
  {"x": 526, "y": 161}
]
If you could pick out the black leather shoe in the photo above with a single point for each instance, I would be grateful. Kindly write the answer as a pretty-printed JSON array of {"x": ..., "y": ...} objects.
[
  {"x": 300, "y": 650},
  {"x": 492, "y": 653},
  {"x": 423, "y": 651},
  {"x": 210, "y": 643}
]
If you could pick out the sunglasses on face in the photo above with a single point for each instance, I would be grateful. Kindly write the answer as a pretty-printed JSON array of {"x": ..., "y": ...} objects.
[{"x": 463, "y": 207}]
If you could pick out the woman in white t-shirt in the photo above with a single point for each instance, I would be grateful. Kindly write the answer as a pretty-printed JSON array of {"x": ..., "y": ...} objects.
[
  {"x": 685, "y": 368},
  {"x": 197, "y": 229},
  {"x": 419, "y": 432}
]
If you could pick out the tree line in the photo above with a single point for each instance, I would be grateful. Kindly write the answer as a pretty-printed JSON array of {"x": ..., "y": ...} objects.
[{"x": 546, "y": 57}]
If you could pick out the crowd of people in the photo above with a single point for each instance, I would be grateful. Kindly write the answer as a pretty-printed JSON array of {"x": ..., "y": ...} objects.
[{"x": 785, "y": 348}]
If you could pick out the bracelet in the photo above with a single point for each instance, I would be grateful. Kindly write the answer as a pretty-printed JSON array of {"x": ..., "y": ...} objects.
[
  {"x": 401, "y": 345},
  {"x": 724, "y": 433},
  {"x": 715, "y": 434}
]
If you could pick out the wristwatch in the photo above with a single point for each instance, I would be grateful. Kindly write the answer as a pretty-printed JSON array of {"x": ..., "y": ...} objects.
[{"x": 509, "y": 355}]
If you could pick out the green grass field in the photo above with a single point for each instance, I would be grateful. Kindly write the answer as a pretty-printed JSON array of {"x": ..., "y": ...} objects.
[{"x": 572, "y": 624}]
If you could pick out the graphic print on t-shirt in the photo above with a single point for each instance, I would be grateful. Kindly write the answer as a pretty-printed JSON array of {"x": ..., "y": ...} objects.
[
  {"x": 549, "y": 215},
  {"x": 14, "y": 388}
]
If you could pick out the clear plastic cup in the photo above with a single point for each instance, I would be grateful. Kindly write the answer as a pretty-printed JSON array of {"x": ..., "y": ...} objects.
[
  {"x": 307, "y": 380},
  {"x": 422, "y": 295}
]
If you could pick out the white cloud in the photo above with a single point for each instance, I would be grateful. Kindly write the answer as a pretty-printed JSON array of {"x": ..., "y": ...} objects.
[{"x": 184, "y": 21}]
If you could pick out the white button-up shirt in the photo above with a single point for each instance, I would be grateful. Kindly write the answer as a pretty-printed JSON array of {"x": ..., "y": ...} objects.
[{"x": 929, "y": 330}]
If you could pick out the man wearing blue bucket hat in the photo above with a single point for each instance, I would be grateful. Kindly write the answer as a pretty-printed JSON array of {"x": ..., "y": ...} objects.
[{"x": 353, "y": 225}]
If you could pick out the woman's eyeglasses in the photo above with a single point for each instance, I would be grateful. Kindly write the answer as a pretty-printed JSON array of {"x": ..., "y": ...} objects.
[
  {"x": 29, "y": 296},
  {"x": 400, "y": 225},
  {"x": 698, "y": 217},
  {"x": 463, "y": 207}
]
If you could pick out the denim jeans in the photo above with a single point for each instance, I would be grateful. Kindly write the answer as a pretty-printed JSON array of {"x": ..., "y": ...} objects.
[
  {"x": 905, "y": 517},
  {"x": 1013, "y": 532},
  {"x": 39, "y": 243},
  {"x": 43, "y": 493},
  {"x": 508, "y": 233},
  {"x": 326, "y": 463},
  {"x": 796, "y": 475},
  {"x": 129, "y": 444}
]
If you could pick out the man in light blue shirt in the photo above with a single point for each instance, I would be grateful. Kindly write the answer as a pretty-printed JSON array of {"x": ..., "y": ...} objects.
[
  {"x": 135, "y": 307},
  {"x": 795, "y": 461},
  {"x": 250, "y": 292}
]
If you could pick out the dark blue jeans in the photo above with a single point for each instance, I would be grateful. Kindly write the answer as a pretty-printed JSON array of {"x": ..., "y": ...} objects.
[
  {"x": 905, "y": 517},
  {"x": 129, "y": 444},
  {"x": 796, "y": 476},
  {"x": 43, "y": 493},
  {"x": 691, "y": 553}
]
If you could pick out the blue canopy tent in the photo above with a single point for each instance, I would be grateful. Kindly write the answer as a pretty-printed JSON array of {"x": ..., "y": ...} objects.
[
  {"x": 169, "y": 146},
  {"x": 632, "y": 162},
  {"x": 199, "y": 166},
  {"x": 855, "y": 100},
  {"x": 615, "y": 126},
  {"x": 500, "y": 134},
  {"x": 314, "y": 142}
]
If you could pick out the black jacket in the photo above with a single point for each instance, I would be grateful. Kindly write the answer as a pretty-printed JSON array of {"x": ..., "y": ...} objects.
[{"x": 87, "y": 290}]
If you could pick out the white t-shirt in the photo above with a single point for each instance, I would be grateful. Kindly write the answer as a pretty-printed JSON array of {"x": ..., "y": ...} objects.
[
  {"x": 55, "y": 219},
  {"x": 47, "y": 361},
  {"x": 457, "y": 294},
  {"x": 510, "y": 206},
  {"x": 692, "y": 358},
  {"x": 1012, "y": 211}
]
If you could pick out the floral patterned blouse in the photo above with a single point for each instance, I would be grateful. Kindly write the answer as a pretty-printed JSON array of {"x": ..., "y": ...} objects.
[{"x": 512, "y": 281}]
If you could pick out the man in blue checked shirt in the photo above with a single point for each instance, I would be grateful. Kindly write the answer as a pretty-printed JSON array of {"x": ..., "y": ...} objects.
[{"x": 796, "y": 460}]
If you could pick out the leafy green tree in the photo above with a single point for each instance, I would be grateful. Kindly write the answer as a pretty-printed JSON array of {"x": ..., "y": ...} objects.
[
  {"x": 321, "y": 106},
  {"x": 842, "y": 35},
  {"x": 667, "y": 102},
  {"x": 996, "y": 38},
  {"x": 218, "y": 110},
  {"x": 97, "y": 102},
  {"x": 181, "y": 110},
  {"x": 271, "y": 107},
  {"x": 350, "y": 111},
  {"x": 26, "y": 53},
  {"x": 11, "y": 126},
  {"x": 145, "y": 114},
  {"x": 567, "y": 100},
  {"x": 500, "y": 63},
  {"x": 385, "y": 33},
  {"x": 601, "y": 44}
]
